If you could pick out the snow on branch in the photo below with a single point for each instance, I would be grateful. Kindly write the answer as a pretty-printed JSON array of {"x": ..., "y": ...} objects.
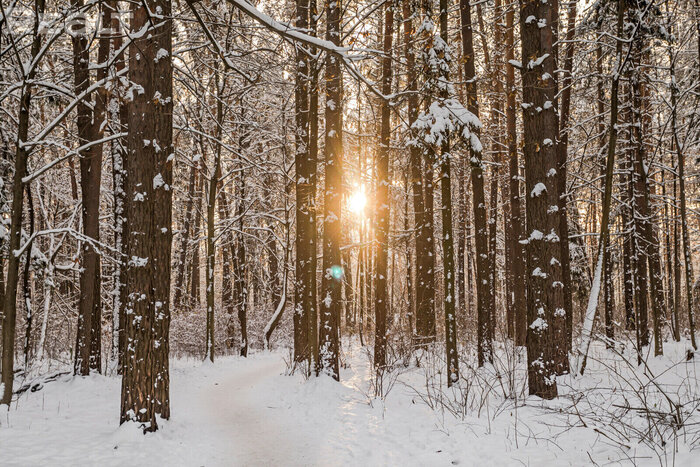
[
  {"x": 69, "y": 154},
  {"x": 446, "y": 117},
  {"x": 290, "y": 33}
]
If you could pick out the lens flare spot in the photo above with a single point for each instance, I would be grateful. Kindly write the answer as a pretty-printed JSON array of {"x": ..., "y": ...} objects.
[{"x": 336, "y": 272}]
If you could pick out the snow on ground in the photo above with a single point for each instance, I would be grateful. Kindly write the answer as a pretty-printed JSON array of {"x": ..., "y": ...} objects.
[{"x": 248, "y": 412}]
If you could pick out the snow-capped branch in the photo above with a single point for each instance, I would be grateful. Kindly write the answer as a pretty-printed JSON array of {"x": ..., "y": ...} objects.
[
  {"x": 292, "y": 34},
  {"x": 69, "y": 154}
]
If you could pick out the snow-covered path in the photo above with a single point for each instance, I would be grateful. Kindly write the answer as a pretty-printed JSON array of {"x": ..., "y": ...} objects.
[
  {"x": 247, "y": 412},
  {"x": 246, "y": 417}
]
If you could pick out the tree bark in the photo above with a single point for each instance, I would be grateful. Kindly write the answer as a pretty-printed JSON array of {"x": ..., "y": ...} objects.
[
  {"x": 383, "y": 210},
  {"x": 89, "y": 121},
  {"x": 146, "y": 382},
  {"x": 422, "y": 247},
  {"x": 515, "y": 263},
  {"x": 483, "y": 292},
  {"x": 331, "y": 283},
  {"x": 545, "y": 294},
  {"x": 9, "y": 316},
  {"x": 214, "y": 177},
  {"x": 452, "y": 357}
]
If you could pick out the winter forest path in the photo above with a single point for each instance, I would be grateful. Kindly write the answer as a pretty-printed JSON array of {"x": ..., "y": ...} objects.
[{"x": 247, "y": 413}]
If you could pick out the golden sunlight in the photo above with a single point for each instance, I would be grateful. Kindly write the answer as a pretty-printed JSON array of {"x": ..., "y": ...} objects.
[{"x": 357, "y": 202}]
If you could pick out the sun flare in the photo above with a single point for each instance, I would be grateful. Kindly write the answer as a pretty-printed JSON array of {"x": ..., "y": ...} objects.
[{"x": 357, "y": 202}]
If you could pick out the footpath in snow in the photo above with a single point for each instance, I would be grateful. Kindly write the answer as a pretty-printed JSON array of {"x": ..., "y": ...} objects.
[{"x": 247, "y": 412}]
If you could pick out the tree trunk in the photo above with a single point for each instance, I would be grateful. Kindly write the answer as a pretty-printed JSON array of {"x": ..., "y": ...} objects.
[
  {"x": 422, "y": 250},
  {"x": 425, "y": 319},
  {"x": 640, "y": 213},
  {"x": 146, "y": 382},
  {"x": 383, "y": 199},
  {"x": 240, "y": 285},
  {"x": 21, "y": 155},
  {"x": 214, "y": 177},
  {"x": 331, "y": 283},
  {"x": 195, "y": 277},
  {"x": 306, "y": 227},
  {"x": 119, "y": 157},
  {"x": 185, "y": 238},
  {"x": 89, "y": 121},
  {"x": 515, "y": 263},
  {"x": 545, "y": 296},
  {"x": 26, "y": 280},
  {"x": 483, "y": 297},
  {"x": 452, "y": 357}
]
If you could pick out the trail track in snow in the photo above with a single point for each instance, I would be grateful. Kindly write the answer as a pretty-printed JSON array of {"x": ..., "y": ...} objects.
[
  {"x": 251, "y": 423},
  {"x": 247, "y": 412}
]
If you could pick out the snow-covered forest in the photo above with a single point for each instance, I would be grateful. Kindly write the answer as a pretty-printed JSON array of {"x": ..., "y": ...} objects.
[{"x": 349, "y": 232}]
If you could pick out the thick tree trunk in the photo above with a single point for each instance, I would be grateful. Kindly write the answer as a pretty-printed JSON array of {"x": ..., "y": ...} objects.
[
  {"x": 640, "y": 213},
  {"x": 425, "y": 320},
  {"x": 629, "y": 279},
  {"x": 305, "y": 286},
  {"x": 146, "y": 382},
  {"x": 331, "y": 283},
  {"x": 545, "y": 295}
]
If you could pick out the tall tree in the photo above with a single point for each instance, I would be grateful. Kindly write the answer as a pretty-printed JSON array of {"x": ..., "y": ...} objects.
[
  {"x": 331, "y": 284},
  {"x": 240, "y": 286},
  {"x": 119, "y": 115},
  {"x": 214, "y": 182},
  {"x": 146, "y": 380},
  {"x": 383, "y": 210},
  {"x": 515, "y": 261},
  {"x": 9, "y": 309},
  {"x": 305, "y": 285},
  {"x": 446, "y": 197},
  {"x": 545, "y": 311},
  {"x": 422, "y": 246},
  {"x": 90, "y": 118},
  {"x": 483, "y": 291}
]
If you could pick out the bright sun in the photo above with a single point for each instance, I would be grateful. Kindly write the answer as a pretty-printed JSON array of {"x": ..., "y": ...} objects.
[{"x": 357, "y": 202}]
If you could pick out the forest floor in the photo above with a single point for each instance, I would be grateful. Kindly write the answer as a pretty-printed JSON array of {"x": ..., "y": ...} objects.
[{"x": 249, "y": 412}]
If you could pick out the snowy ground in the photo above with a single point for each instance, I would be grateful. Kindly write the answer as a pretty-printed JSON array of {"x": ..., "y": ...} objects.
[{"x": 247, "y": 412}]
